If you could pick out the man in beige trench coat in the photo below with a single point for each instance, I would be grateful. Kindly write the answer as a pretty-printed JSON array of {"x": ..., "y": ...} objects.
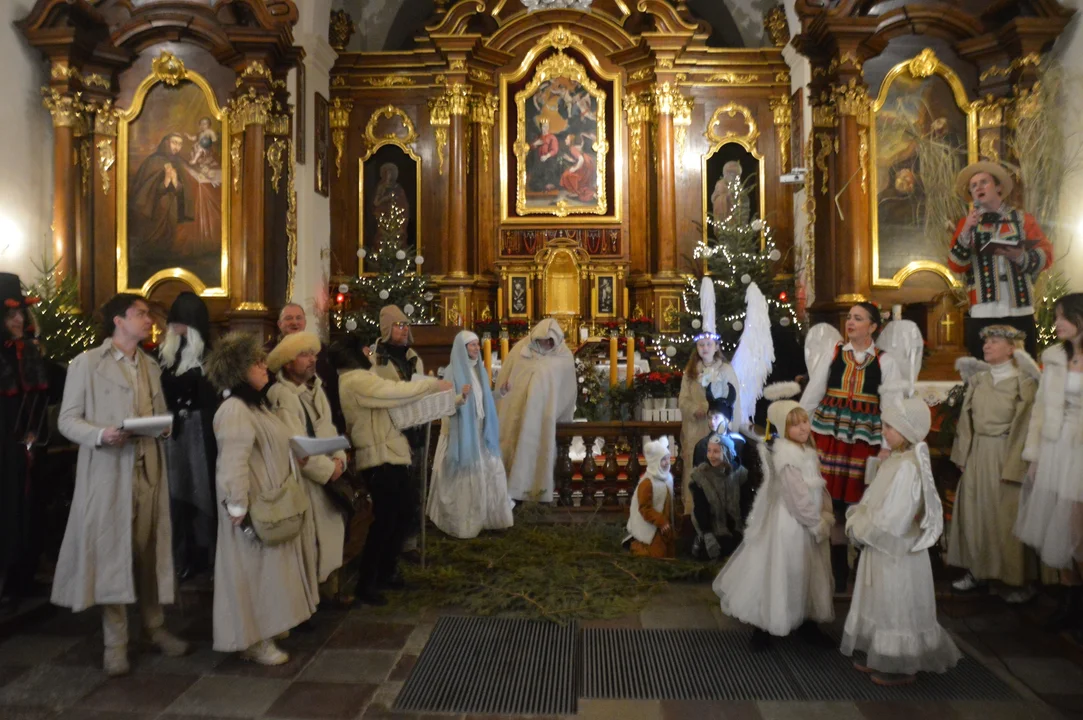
[{"x": 117, "y": 545}]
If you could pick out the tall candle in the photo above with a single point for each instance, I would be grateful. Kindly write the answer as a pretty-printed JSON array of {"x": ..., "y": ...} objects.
[
  {"x": 627, "y": 308},
  {"x": 487, "y": 352},
  {"x": 462, "y": 307},
  {"x": 499, "y": 301},
  {"x": 613, "y": 360},
  {"x": 503, "y": 349},
  {"x": 630, "y": 352},
  {"x": 593, "y": 300}
]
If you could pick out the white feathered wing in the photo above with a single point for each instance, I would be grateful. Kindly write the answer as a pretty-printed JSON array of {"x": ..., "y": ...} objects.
[{"x": 755, "y": 354}]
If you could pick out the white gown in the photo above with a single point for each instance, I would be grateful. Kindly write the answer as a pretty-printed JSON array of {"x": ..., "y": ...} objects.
[
  {"x": 1047, "y": 507},
  {"x": 780, "y": 576},
  {"x": 475, "y": 498},
  {"x": 893, "y": 612}
]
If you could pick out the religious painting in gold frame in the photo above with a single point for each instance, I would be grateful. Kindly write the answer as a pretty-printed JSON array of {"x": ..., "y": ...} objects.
[
  {"x": 921, "y": 112},
  {"x": 570, "y": 167},
  {"x": 173, "y": 200},
  {"x": 389, "y": 185},
  {"x": 604, "y": 296},
  {"x": 520, "y": 295},
  {"x": 732, "y": 152}
]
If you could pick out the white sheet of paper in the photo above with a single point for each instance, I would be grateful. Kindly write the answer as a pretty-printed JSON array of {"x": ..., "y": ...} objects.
[
  {"x": 152, "y": 426},
  {"x": 303, "y": 446}
]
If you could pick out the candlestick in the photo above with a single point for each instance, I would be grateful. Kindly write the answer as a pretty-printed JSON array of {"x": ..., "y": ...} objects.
[
  {"x": 487, "y": 353},
  {"x": 627, "y": 309},
  {"x": 630, "y": 353},
  {"x": 593, "y": 300},
  {"x": 499, "y": 302},
  {"x": 503, "y": 347},
  {"x": 613, "y": 360}
]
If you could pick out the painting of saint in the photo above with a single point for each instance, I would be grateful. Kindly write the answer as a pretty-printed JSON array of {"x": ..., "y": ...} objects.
[
  {"x": 518, "y": 295},
  {"x": 605, "y": 295},
  {"x": 732, "y": 175},
  {"x": 561, "y": 145},
  {"x": 175, "y": 186},
  {"x": 389, "y": 209},
  {"x": 918, "y": 121}
]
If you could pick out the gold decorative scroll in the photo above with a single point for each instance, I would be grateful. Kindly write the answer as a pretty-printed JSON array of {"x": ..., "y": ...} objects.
[
  {"x": 637, "y": 113},
  {"x": 106, "y": 158},
  {"x": 105, "y": 119},
  {"x": 390, "y": 111},
  {"x": 665, "y": 63},
  {"x": 782, "y": 76},
  {"x": 249, "y": 306},
  {"x": 774, "y": 22},
  {"x": 641, "y": 73},
  {"x": 483, "y": 109},
  {"x": 249, "y": 109},
  {"x": 561, "y": 65},
  {"x": 851, "y": 99},
  {"x": 988, "y": 148},
  {"x": 340, "y": 121},
  {"x": 389, "y": 81},
  {"x": 85, "y": 163},
  {"x": 480, "y": 75},
  {"x": 848, "y": 58},
  {"x": 1017, "y": 64},
  {"x": 168, "y": 68},
  {"x": 67, "y": 72},
  {"x": 731, "y": 109},
  {"x": 66, "y": 110},
  {"x": 235, "y": 161},
  {"x": 255, "y": 69},
  {"x": 991, "y": 112},
  {"x": 291, "y": 224},
  {"x": 863, "y": 157},
  {"x": 338, "y": 81},
  {"x": 810, "y": 216},
  {"x": 458, "y": 99},
  {"x": 560, "y": 38},
  {"x": 274, "y": 159},
  {"x": 924, "y": 64},
  {"x": 821, "y": 158},
  {"x": 278, "y": 124},
  {"x": 457, "y": 65},
  {"x": 824, "y": 114},
  {"x": 729, "y": 78},
  {"x": 440, "y": 119},
  {"x": 782, "y": 113},
  {"x": 1027, "y": 104}
]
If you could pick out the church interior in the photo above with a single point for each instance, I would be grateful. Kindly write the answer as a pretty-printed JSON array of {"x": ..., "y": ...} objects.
[{"x": 488, "y": 164}]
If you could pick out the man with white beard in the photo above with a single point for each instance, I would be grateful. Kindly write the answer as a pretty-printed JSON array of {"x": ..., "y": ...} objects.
[{"x": 191, "y": 450}]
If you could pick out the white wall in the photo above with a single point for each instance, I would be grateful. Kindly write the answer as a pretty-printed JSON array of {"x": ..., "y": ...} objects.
[
  {"x": 26, "y": 170},
  {"x": 1069, "y": 50}
]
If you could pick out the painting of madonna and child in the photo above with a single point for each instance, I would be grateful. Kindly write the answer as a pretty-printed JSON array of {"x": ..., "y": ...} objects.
[
  {"x": 561, "y": 128},
  {"x": 174, "y": 193}
]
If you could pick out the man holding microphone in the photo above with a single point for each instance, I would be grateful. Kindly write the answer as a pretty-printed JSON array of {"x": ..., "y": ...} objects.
[{"x": 1001, "y": 251}]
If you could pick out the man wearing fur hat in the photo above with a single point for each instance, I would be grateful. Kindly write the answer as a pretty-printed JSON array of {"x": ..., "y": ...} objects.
[
  {"x": 1001, "y": 250},
  {"x": 292, "y": 319},
  {"x": 650, "y": 516},
  {"x": 117, "y": 546},
  {"x": 300, "y": 401}
]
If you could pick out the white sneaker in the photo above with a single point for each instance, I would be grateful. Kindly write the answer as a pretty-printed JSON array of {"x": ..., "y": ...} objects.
[
  {"x": 1020, "y": 596},
  {"x": 265, "y": 652},
  {"x": 967, "y": 583}
]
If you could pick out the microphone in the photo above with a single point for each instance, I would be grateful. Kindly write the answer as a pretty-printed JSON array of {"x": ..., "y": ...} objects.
[{"x": 977, "y": 205}]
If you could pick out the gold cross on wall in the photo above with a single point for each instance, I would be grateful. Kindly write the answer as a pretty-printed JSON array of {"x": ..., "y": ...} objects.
[{"x": 946, "y": 323}]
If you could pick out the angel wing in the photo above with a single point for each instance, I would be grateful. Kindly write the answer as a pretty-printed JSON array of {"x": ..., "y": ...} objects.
[
  {"x": 903, "y": 341},
  {"x": 1026, "y": 365},
  {"x": 932, "y": 520},
  {"x": 968, "y": 367},
  {"x": 820, "y": 345},
  {"x": 755, "y": 353}
]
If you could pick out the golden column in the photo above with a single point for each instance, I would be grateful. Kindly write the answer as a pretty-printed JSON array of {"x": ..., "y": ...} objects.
[
  {"x": 458, "y": 99},
  {"x": 249, "y": 113},
  {"x": 853, "y": 267},
  {"x": 69, "y": 121}
]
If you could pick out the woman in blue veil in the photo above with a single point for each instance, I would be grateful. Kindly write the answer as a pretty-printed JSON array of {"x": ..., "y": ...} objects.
[{"x": 469, "y": 491}]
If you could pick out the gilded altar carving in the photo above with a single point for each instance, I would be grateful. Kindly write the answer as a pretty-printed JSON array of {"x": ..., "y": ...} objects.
[
  {"x": 1017, "y": 64},
  {"x": 863, "y": 157},
  {"x": 810, "y": 215},
  {"x": 106, "y": 158},
  {"x": 66, "y": 110},
  {"x": 641, "y": 73},
  {"x": 731, "y": 78},
  {"x": 637, "y": 112},
  {"x": 387, "y": 81},
  {"x": 991, "y": 112},
  {"x": 483, "y": 109},
  {"x": 440, "y": 119},
  {"x": 409, "y": 135},
  {"x": 826, "y": 146},
  {"x": 848, "y": 58},
  {"x": 527, "y": 241},
  {"x": 255, "y": 69},
  {"x": 457, "y": 65},
  {"x": 782, "y": 113},
  {"x": 168, "y": 68},
  {"x": 235, "y": 161},
  {"x": 560, "y": 38},
  {"x": 987, "y": 148},
  {"x": 682, "y": 119},
  {"x": 665, "y": 63},
  {"x": 291, "y": 222},
  {"x": 851, "y": 99},
  {"x": 274, "y": 159},
  {"x": 924, "y": 64},
  {"x": 782, "y": 76},
  {"x": 458, "y": 98},
  {"x": 340, "y": 29},
  {"x": 824, "y": 114},
  {"x": 85, "y": 164},
  {"x": 1027, "y": 104},
  {"x": 339, "y": 114},
  {"x": 774, "y": 22},
  {"x": 480, "y": 75},
  {"x": 731, "y": 109},
  {"x": 105, "y": 119},
  {"x": 249, "y": 109},
  {"x": 67, "y": 72}
]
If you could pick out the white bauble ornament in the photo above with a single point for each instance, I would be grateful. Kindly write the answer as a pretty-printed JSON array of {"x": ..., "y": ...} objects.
[
  {"x": 671, "y": 351},
  {"x": 746, "y": 278},
  {"x": 419, "y": 260},
  {"x": 696, "y": 324},
  {"x": 428, "y": 297},
  {"x": 774, "y": 255},
  {"x": 361, "y": 253},
  {"x": 784, "y": 321},
  {"x": 384, "y": 294},
  {"x": 351, "y": 324},
  {"x": 408, "y": 309},
  {"x": 400, "y": 255},
  {"x": 344, "y": 288},
  {"x": 738, "y": 325},
  {"x": 757, "y": 224}
]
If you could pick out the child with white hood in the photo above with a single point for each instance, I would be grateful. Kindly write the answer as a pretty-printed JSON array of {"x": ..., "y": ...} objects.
[
  {"x": 650, "y": 518},
  {"x": 779, "y": 579}
]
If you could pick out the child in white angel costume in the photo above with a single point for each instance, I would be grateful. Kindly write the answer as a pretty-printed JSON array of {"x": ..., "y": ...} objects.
[
  {"x": 779, "y": 578},
  {"x": 710, "y": 378},
  {"x": 469, "y": 491},
  {"x": 893, "y": 612}
]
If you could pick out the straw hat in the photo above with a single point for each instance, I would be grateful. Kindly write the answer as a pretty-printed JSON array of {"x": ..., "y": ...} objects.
[{"x": 998, "y": 171}]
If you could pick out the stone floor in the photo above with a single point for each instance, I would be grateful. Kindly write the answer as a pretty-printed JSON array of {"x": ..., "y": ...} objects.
[{"x": 354, "y": 663}]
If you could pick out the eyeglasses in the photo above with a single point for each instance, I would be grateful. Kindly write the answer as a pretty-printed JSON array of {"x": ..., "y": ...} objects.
[{"x": 400, "y": 325}]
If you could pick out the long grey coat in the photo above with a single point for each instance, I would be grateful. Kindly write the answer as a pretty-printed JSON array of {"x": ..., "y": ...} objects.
[{"x": 95, "y": 563}]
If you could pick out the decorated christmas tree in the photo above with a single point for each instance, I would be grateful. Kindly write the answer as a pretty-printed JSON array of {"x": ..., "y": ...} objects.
[
  {"x": 62, "y": 330},
  {"x": 738, "y": 251},
  {"x": 392, "y": 276}
]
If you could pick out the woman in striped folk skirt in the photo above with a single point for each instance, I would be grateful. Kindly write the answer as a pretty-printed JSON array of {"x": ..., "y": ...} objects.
[{"x": 843, "y": 400}]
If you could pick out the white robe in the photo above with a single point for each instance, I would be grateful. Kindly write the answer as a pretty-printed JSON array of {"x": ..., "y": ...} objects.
[
  {"x": 543, "y": 390},
  {"x": 893, "y": 613},
  {"x": 780, "y": 575},
  {"x": 474, "y": 498}
]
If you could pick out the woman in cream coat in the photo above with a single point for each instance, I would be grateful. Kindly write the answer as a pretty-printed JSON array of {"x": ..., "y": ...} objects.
[{"x": 260, "y": 591}]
